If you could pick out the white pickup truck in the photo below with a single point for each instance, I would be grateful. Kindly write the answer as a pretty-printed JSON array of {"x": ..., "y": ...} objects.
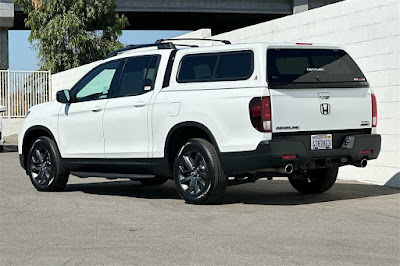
[{"x": 207, "y": 117}]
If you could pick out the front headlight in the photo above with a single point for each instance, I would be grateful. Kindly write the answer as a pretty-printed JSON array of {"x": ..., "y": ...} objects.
[{"x": 27, "y": 113}]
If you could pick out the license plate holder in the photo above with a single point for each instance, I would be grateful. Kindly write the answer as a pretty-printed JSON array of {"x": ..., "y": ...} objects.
[{"x": 321, "y": 142}]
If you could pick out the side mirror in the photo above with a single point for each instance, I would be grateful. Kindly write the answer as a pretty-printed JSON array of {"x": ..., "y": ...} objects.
[
  {"x": 63, "y": 96},
  {"x": 3, "y": 109},
  {"x": 147, "y": 84}
]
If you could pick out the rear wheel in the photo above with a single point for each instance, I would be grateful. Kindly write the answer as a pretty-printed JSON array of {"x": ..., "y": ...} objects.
[
  {"x": 198, "y": 174},
  {"x": 156, "y": 181},
  {"x": 44, "y": 166},
  {"x": 1, "y": 148},
  {"x": 315, "y": 181}
]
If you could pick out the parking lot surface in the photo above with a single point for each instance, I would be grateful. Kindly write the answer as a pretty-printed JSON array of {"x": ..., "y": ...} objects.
[{"x": 103, "y": 222}]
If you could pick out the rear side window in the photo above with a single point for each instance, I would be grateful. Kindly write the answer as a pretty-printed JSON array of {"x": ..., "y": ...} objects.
[
  {"x": 298, "y": 66},
  {"x": 197, "y": 68},
  {"x": 237, "y": 65},
  {"x": 216, "y": 67}
]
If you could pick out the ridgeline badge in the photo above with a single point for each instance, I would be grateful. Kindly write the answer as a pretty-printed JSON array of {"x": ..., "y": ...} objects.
[{"x": 314, "y": 69}]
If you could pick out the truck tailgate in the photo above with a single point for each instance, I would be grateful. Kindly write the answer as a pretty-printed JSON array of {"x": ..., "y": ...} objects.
[{"x": 320, "y": 109}]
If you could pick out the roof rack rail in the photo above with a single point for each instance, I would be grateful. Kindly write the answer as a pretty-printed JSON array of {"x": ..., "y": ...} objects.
[
  {"x": 187, "y": 45},
  {"x": 193, "y": 39},
  {"x": 167, "y": 45}
]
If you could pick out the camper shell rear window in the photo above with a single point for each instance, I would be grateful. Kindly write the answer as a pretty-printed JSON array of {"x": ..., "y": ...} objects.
[{"x": 313, "y": 68}]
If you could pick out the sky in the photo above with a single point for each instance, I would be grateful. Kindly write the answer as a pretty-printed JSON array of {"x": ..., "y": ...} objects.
[{"x": 23, "y": 57}]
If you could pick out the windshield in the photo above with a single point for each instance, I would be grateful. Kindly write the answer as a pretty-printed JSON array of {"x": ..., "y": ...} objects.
[{"x": 292, "y": 66}]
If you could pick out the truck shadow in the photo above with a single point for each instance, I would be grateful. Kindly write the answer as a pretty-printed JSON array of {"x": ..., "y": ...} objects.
[
  {"x": 394, "y": 181},
  {"x": 277, "y": 192}
]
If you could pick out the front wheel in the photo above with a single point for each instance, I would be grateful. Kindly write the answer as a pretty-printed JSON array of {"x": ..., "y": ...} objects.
[
  {"x": 198, "y": 174},
  {"x": 44, "y": 166},
  {"x": 314, "y": 181}
]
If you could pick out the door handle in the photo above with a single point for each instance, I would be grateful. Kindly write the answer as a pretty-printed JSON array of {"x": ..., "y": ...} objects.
[
  {"x": 324, "y": 96},
  {"x": 140, "y": 104},
  {"x": 97, "y": 109}
]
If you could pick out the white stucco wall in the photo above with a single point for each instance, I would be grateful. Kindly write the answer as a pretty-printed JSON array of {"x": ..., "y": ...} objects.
[
  {"x": 370, "y": 30},
  {"x": 201, "y": 33}
]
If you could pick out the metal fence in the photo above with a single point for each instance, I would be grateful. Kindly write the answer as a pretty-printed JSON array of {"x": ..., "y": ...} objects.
[{"x": 19, "y": 90}]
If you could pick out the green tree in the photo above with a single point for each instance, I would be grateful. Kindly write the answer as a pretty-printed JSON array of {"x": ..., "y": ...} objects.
[{"x": 70, "y": 33}]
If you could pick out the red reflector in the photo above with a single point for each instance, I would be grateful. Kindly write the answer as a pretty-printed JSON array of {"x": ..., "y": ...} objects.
[
  {"x": 366, "y": 152},
  {"x": 289, "y": 157},
  {"x": 303, "y": 43}
]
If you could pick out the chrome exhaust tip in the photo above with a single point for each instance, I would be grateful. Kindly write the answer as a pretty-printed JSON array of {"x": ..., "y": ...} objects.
[
  {"x": 289, "y": 168},
  {"x": 364, "y": 163}
]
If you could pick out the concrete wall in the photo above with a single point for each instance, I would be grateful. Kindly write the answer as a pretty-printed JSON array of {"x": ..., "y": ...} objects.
[
  {"x": 209, "y": 6},
  {"x": 6, "y": 22},
  {"x": 370, "y": 30},
  {"x": 12, "y": 126},
  {"x": 223, "y": 6},
  {"x": 201, "y": 34}
]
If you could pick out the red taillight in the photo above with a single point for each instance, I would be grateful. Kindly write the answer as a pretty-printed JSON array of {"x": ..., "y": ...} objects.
[
  {"x": 260, "y": 114},
  {"x": 289, "y": 157},
  {"x": 303, "y": 43},
  {"x": 374, "y": 111},
  {"x": 365, "y": 152}
]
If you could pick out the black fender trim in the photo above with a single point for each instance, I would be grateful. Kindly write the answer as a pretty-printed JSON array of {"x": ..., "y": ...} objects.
[
  {"x": 27, "y": 132},
  {"x": 160, "y": 166},
  {"x": 43, "y": 128},
  {"x": 190, "y": 124}
]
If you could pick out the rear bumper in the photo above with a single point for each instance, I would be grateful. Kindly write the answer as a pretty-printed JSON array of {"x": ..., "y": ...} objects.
[{"x": 269, "y": 154}]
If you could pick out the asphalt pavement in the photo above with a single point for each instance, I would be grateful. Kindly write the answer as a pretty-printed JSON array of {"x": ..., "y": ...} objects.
[{"x": 101, "y": 222}]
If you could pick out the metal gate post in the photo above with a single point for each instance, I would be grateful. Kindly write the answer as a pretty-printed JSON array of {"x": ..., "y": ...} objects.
[
  {"x": 9, "y": 93},
  {"x": 50, "y": 81}
]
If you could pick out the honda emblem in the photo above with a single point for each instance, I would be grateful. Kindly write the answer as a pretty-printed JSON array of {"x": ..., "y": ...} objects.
[{"x": 325, "y": 108}]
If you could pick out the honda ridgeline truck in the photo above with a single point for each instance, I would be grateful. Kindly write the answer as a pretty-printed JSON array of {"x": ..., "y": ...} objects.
[{"x": 207, "y": 117}]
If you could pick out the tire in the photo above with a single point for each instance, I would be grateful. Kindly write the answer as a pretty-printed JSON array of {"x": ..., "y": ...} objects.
[
  {"x": 44, "y": 166},
  {"x": 315, "y": 181},
  {"x": 1, "y": 148},
  {"x": 198, "y": 174},
  {"x": 156, "y": 181}
]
